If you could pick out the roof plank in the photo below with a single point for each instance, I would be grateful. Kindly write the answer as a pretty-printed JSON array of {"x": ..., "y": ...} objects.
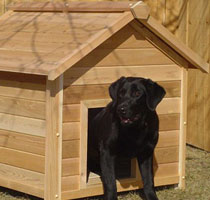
[
  {"x": 106, "y": 6},
  {"x": 91, "y": 44}
]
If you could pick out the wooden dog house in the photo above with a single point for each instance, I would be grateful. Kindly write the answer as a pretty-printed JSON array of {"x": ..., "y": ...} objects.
[{"x": 56, "y": 62}]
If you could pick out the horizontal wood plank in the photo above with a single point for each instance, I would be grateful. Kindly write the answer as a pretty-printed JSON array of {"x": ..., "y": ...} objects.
[
  {"x": 47, "y": 21},
  {"x": 23, "y": 90},
  {"x": 22, "y": 124},
  {"x": 72, "y": 6},
  {"x": 169, "y": 122},
  {"x": 70, "y": 167},
  {"x": 166, "y": 155},
  {"x": 22, "y": 180},
  {"x": 71, "y": 149},
  {"x": 124, "y": 57},
  {"x": 71, "y": 113},
  {"x": 73, "y": 94},
  {"x": 70, "y": 183},
  {"x": 22, "y": 107},
  {"x": 71, "y": 131},
  {"x": 36, "y": 163},
  {"x": 169, "y": 106},
  {"x": 168, "y": 139},
  {"x": 42, "y": 42},
  {"x": 166, "y": 170},
  {"x": 107, "y": 75},
  {"x": 22, "y": 142},
  {"x": 22, "y": 160}
]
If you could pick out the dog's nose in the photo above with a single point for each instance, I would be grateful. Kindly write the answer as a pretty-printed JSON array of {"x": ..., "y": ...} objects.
[{"x": 122, "y": 109}]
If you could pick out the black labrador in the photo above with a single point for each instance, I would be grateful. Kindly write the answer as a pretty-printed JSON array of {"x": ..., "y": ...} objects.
[{"x": 128, "y": 126}]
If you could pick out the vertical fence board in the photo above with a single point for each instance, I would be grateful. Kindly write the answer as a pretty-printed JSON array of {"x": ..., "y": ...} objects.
[
  {"x": 176, "y": 18},
  {"x": 199, "y": 107},
  {"x": 2, "y": 7}
]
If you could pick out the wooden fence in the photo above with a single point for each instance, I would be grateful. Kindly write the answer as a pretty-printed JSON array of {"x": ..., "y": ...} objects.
[{"x": 189, "y": 20}]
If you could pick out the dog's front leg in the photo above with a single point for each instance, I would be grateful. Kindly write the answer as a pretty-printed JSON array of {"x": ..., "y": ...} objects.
[
  {"x": 146, "y": 169},
  {"x": 107, "y": 162}
]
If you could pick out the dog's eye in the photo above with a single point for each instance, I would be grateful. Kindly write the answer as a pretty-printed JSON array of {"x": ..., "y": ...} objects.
[{"x": 137, "y": 94}]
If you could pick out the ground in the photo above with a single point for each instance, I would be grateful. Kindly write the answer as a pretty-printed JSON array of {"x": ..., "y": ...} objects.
[{"x": 197, "y": 183}]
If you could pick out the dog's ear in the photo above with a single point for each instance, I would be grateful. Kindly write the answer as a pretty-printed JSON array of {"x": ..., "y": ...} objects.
[
  {"x": 154, "y": 94},
  {"x": 114, "y": 87}
]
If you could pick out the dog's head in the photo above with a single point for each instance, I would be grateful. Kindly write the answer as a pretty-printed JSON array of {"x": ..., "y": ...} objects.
[{"x": 132, "y": 97}]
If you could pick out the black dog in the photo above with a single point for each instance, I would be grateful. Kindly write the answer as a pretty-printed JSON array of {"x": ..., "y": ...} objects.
[{"x": 128, "y": 126}]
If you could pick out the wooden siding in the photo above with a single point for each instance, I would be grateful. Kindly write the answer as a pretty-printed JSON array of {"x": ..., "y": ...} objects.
[
  {"x": 22, "y": 132},
  {"x": 90, "y": 78},
  {"x": 22, "y": 107}
]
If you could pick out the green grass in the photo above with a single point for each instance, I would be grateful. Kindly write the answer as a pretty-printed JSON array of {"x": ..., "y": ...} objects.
[{"x": 197, "y": 183}]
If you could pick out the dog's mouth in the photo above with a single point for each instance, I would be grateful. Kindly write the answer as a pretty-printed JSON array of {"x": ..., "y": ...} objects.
[{"x": 129, "y": 121}]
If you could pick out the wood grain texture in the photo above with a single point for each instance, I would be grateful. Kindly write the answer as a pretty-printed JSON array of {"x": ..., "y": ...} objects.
[
  {"x": 168, "y": 139},
  {"x": 124, "y": 57},
  {"x": 70, "y": 183},
  {"x": 73, "y": 6},
  {"x": 169, "y": 122},
  {"x": 22, "y": 90},
  {"x": 23, "y": 124},
  {"x": 22, "y": 142},
  {"x": 198, "y": 101},
  {"x": 22, "y": 180},
  {"x": 2, "y": 6},
  {"x": 22, "y": 160},
  {"x": 159, "y": 44},
  {"x": 71, "y": 113},
  {"x": 140, "y": 10},
  {"x": 183, "y": 50},
  {"x": 183, "y": 128},
  {"x": 70, "y": 167},
  {"x": 73, "y": 94},
  {"x": 35, "y": 59},
  {"x": 92, "y": 43},
  {"x": 71, "y": 131},
  {"x": 107, "y": 75},
  {"x": 22, "y": 107},
  {"x": 53, "y": 145},
  {"x": 71, "y": 149}
]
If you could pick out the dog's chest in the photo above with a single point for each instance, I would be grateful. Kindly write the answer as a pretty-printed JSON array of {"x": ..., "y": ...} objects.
[{"x": 130, "y": 142}]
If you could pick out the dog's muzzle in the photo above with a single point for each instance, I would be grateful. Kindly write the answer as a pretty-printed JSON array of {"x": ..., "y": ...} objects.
[{"x": 127, "y": 117}]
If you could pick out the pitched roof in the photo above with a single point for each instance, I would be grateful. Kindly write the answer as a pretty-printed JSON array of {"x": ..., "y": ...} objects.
[{"x": 49, "y": 38}]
